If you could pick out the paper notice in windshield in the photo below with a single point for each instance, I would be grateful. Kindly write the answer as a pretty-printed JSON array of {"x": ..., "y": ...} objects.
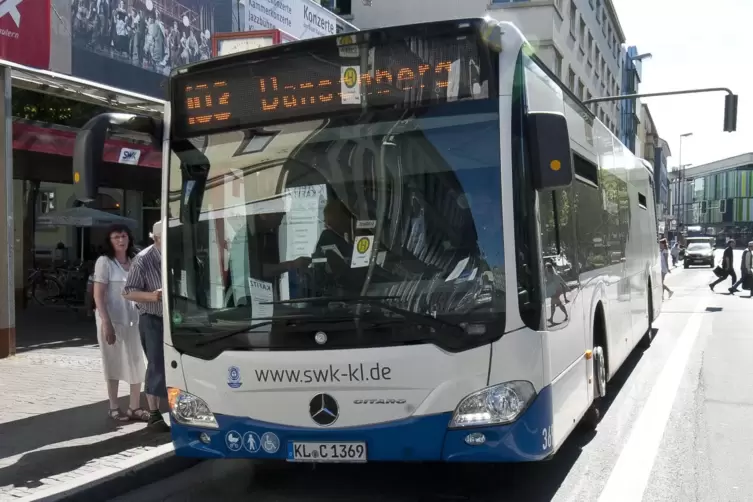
[
  {"x": 362, "y": 249},
  {"x": 350, "y": 84},
  {"x": 457, "y": 270},
  {"x": 261, "y": 296},
  {"x": 303, "y": 221}
]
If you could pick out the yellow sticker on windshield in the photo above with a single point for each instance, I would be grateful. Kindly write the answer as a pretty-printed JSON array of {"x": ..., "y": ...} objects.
[
  {"x": 363, "y": 245},
  {"x": 362, "y": 250}
]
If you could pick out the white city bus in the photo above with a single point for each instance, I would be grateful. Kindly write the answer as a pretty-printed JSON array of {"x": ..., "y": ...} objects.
[{"x": 415, "y": 247}]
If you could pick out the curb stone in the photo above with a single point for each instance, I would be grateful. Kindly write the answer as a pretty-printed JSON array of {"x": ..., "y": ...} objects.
[{"x": 110, "y": 482}]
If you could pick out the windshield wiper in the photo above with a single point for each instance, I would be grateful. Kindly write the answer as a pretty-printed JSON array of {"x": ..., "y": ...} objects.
[
  {"x": 208, "y": 340},
  {"x": 378, "y": 301},
  {"x": 228, "y": 334}
]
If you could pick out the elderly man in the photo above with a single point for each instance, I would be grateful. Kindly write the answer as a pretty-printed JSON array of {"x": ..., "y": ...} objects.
[{"x": 144, "y": 287}]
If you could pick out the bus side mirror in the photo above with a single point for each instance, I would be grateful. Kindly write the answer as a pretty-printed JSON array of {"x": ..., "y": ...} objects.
[
  {"x": 90, "y": 147},
  {"x": 549, "y": 150}
]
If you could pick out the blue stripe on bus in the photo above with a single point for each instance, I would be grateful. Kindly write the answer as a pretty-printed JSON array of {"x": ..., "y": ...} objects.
[{"x": 423, "y": 438}]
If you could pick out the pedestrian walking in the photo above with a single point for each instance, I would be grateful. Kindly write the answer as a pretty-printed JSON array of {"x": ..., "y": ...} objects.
[
  {"x": 727, "y": 269},
  {"x": 144, "y": 287},
  {"x": 746, "y": 271},
  {"x": 675, "y": 252},
  {"x": 117, "y": 324},
  {"x": 555, "y": 287},
  {"x": 664, "y": 258}
]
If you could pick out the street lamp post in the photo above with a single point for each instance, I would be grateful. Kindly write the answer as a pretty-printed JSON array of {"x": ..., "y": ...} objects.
[{"x": 681, "y": 178}]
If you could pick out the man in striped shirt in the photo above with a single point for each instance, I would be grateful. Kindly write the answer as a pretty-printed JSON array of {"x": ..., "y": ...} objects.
[{"x": 144, "y": 287}]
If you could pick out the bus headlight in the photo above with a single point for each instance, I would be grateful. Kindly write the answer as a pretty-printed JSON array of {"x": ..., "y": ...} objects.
[
  {"x": 188, "y": 409},
  {"x": 496, "y": 405}
]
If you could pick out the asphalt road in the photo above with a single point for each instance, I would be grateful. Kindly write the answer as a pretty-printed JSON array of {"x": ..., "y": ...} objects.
[{"x": 678, "y": 428}]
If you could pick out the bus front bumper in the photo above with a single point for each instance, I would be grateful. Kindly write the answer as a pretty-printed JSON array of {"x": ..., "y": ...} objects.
[{"x": 421, "y": 438}]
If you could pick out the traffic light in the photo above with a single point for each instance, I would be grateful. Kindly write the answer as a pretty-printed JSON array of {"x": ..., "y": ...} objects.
[{"x": 730, "y": 112}]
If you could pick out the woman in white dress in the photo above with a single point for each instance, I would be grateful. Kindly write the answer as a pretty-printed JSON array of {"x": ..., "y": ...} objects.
[{"x": 118, "y": 325}]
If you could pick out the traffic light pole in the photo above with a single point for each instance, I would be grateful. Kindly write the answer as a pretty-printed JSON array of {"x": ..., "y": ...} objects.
[{"x": 730, "y": 102}]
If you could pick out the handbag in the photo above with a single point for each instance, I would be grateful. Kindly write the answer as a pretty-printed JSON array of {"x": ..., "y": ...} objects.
[
  {"x": 720, "y": 272},
  {"x": 748, "y": 282}
]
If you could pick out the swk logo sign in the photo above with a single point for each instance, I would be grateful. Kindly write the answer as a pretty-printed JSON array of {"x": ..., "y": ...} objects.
[
  {"x": 10, "y": 7},
  {"x": 128, "y": 155}
]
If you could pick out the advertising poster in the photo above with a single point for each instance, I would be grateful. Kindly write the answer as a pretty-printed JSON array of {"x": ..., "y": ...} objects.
[
  {"x": 25, "y": 32},
  {"x": 134, "y": 44},
  {"x": 301, "y": 18}
]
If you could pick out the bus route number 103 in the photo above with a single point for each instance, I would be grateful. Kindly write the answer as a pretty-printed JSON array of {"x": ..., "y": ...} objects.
[{"x": 207, "y": 103}]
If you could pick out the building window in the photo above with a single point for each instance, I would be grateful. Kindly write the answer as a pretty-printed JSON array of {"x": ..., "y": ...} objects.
[
  {"x": 610, "y": 40},
  {"x": 597, "y": 62},
  {"x": 341, "y": 7},
  {"x": 603, "y": 23},
  {"x": 571, "y": 80},
  {"x": 598, "y": 10},
  {"x": 582, "y": 33},
  {"x": 573, "y": 17},
  {"x": 557, "y": 64},
  {"x": 46, "y": 201},
  {"x": 588, "y": 95},
  {"x": 590, "y": 44},
  {"x": 591, "y": 3},
  {"x": 581, "y": 90}
]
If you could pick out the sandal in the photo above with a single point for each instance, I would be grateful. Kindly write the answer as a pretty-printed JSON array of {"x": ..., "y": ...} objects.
[
  {"x": 117, "y": 415},
  {"x": 139, "y": 415}
]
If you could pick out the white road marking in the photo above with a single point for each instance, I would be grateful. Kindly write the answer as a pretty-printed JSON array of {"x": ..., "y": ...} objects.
[{"x": 630, "y": 475}]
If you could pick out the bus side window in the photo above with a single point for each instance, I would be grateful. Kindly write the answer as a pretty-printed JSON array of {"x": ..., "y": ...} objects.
[{"x": 559, "y": 249}]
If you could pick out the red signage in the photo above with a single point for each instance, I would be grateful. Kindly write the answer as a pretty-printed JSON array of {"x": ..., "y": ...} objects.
[
  {"x": 25, "y": 32},
  {"x": 59, "y": 141}
]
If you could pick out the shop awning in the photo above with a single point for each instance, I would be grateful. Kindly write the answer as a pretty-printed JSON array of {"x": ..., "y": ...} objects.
[{"x": 78, "y": 89}]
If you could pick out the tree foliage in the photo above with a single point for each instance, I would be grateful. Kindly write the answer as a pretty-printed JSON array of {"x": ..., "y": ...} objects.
[{"x": 32, "y": 105}]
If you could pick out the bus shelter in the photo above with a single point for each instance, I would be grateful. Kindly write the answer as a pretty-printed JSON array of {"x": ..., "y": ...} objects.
[{"x": 12, "y": 245}]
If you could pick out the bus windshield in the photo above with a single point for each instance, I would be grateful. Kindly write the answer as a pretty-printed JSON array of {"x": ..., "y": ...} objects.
[{"x": 314, "y": 225}]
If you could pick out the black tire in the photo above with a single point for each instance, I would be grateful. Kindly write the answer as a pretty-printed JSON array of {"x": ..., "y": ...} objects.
[
  {"x": 686, "y": 265},
  {"x": 711, "y": 264},
  {"x": 593, "y": 415},
  {"x": 649, "y": 336},
  {"x": 46, "y": 290}
]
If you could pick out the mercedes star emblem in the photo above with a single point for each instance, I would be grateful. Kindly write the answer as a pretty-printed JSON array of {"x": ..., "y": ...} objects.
[
  {"x": 320, "y": 337},
  {"x": 324, "y": 409}
]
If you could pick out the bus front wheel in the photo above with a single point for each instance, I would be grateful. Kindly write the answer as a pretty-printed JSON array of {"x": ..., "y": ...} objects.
[{"x": 593, "y": 416}]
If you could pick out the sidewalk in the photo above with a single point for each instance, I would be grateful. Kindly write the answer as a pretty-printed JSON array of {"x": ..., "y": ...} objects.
[{"x": 53, "y": 419}]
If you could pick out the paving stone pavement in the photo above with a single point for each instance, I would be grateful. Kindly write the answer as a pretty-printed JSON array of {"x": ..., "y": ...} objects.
[{"x": 53, "y": 418}]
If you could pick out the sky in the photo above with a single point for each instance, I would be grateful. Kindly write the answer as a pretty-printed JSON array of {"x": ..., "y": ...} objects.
[{"x": 694, "y": 44}]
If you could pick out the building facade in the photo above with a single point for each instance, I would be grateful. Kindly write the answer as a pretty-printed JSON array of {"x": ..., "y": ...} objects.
[
  {"x": 716, "y": 199},
  {"x": 581, "y": 41},
  {"x": 648, "y": 145},
  {"x": 661, "y": 182},
  {"x": 631, "y": 108}
]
